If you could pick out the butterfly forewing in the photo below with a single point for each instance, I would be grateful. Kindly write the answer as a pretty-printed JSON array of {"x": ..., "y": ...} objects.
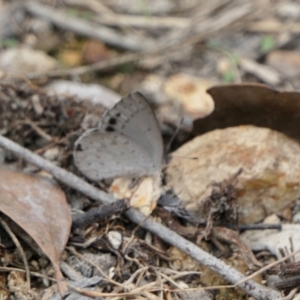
[
  {"x": 134, "y": 119},
  {"x": 101, "y": 155}
]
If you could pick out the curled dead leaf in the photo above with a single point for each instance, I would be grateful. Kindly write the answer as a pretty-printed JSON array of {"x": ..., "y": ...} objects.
[
  {"x": 255, "y": 104},
  {"x": 41, "y": 210}
]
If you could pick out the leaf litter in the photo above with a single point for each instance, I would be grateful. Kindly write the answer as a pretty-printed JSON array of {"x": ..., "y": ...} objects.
[
  {"x": 36, "y": 205},
  {"x": 48, "y": 125},
  {"x": 97, "y": 237}
]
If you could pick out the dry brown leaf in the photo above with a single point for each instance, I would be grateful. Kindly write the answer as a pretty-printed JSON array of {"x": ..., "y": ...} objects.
[
  {"x": 95, "y": 51},
  {"x": 255, "y": 104},
  {"x": 41, "y": 210}
]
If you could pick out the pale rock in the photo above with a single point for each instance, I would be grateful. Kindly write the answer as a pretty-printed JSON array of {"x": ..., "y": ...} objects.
[
  {"x": 272, "y": 219},
  {"x": 270, "y": 161},
  {"x": 95, "y": 93},
  {"x": 196, "y": 294},
  {"x": 52, "y": 153},
  {"x": 143, "y": 195},
  {"x": 115, "y": 238},
  {"x": 272, "y": 239},
  {"x": 296, "y": 217},
  {"x": 190, "y": 92},
  {"x": 21, "y": 61}
]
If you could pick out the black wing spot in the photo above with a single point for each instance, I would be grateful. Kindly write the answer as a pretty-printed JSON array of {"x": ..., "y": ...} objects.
[
  {"x": 118, "y": 114},
  {"x": 110, "y": 129},
  {"x": 112, "y": 121},
  {"x": 78, "y": 148}
]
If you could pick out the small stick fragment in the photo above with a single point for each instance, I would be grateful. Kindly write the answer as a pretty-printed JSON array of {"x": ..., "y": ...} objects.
[
  {"x": 99, "y": 214},
  {"x": 20, "y": 249},
  {"x": 37, "y": 129}
]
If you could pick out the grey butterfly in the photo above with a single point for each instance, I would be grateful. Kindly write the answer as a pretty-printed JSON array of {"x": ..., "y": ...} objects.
[{"x": 127, "y": 142}]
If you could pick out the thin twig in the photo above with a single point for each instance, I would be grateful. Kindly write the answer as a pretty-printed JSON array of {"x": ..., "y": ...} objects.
[
  {"x": 10, "y": 269},
  {"x": 101, "y": 9},
  {"x": 291, "y": 295},
  {"x": 149, "y": 22},
  {"x": 93, "y": 5},
  {"x": 105, "y": 277},
  {"x": 90, "y": 29},
  {"x": 20, "y": 249},
  {"x": 37, "y": 129},
  {"x": 100, "y": 66},
  {"x": 99, "y": 214},
  {"x": 163, "y": 45},
  {"x": 227, "y": 272}
]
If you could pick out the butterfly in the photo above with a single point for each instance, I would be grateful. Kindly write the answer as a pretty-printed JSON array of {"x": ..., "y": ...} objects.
[{"x": 127, "y": 142}]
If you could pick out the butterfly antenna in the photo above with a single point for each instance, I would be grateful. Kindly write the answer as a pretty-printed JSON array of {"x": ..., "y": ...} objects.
[{"x": 173, "y": 137}]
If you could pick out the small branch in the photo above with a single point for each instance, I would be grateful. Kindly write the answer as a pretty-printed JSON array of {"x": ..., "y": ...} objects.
[
  {"x": 148, "y": 22},
  {"x": 36, "y": 274},
  {"x": 163, "y": 45},
  {"x": 89, "y": 29},
  {"x": 37, "y": 129},
  {"x": 99, "y": 214},
  {"x": 227, "y": 272},
  {"x": 100, "y": 66}
]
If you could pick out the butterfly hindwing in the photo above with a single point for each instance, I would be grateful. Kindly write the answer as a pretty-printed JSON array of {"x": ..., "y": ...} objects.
[{"x": 101, "y": 155}]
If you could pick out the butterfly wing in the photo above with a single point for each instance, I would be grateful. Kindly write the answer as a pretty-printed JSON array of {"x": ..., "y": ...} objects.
[
  {"x": 102, "y": 155},
  {"x": 133, "y": 117}
]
